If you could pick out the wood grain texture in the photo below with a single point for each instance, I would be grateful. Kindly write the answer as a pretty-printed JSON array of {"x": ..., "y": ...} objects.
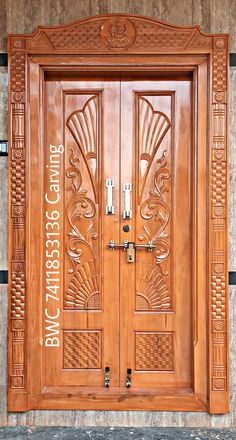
[
  {"x": 202, "y": 14},
  {"x": 111, "y": 35},
  {"x": 3, "y": 213}
]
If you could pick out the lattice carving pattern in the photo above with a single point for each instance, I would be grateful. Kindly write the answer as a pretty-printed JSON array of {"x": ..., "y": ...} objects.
[
  {"x": 124, "y": 33},
  {"x": 218, "y": 222},
  {"x": 150, "y": 35},
  {"x": 82, "y": 349},
  {"x": 154, "y": 351},
  {"x": 82, "y": 36},
  {"x": 17, "y": 281}
]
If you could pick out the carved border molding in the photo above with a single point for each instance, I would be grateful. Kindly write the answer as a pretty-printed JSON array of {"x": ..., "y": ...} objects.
[
  {"x": 218, "y": 223},
  {"x": 125, "y": 34},
  {"x": 17, "y": 305}
]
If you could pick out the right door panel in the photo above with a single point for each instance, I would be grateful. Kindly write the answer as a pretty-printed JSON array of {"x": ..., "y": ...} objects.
[{"x": 155, "y": 314}]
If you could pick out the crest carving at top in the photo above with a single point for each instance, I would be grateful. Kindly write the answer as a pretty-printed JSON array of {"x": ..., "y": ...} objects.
[{"x": 118, "y": 32}]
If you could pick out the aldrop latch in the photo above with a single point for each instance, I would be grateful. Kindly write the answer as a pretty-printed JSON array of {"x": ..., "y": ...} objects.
[{"x": 130, "y": 247}]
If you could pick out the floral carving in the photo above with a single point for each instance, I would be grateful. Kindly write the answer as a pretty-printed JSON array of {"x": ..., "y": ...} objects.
[
  {"x": 79, "y": 206},
  {"x": 156, "y": 207},
  {"x": 83, "y": 286}
]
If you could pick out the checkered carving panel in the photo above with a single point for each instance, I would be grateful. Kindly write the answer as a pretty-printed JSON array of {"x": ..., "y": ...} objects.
[
  {"x": 218, "y": 286},
  {"x": 219, "y": 183},
  {"x": 82, "y": 349},
  {"x": 18, "y": 183},
  {"x": 18, "y": 296},
  {"x": 154, "y": 351}
]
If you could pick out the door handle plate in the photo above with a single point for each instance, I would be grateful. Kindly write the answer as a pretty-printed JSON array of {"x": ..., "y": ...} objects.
[
  {"x": 110, "y": 183},
  {"x": 127, "y": 213}
]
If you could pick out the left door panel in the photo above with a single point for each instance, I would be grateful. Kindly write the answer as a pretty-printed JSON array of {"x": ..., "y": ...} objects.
[{"x": 78, "y": 323}]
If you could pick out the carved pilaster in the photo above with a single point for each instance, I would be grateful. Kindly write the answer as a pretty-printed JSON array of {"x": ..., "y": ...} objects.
[
  {"x": 218, "y": 382},
  {"x": 17, "y": 220}
]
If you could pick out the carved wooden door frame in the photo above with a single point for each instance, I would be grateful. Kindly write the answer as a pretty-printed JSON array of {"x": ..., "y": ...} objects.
[{"x": 108, "y": 36}]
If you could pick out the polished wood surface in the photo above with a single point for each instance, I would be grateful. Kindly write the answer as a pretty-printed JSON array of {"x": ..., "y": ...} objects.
[{"x": 87, "y": 119}]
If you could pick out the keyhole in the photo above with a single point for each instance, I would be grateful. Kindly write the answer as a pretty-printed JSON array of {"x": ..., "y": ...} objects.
[{"x": 126, "y": 228}]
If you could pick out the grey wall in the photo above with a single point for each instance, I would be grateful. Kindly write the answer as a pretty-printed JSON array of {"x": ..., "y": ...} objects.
[{"x": 22, "y": 16}]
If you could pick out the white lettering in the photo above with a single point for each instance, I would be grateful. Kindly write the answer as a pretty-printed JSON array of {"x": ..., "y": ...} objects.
[{"x": 52, "y": 248}]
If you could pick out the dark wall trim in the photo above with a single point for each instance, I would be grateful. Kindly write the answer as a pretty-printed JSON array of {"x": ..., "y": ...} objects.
[
  {"x": 3, "y": 276},
  {"x": 233, "y": 59},
  {"x": 4, "y": 59},
  {"x": 232, "y": 278}
]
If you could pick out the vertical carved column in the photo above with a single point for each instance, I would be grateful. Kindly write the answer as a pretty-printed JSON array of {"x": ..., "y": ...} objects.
[
  {"x": 17, "y": 220},
  {"x": 218, "y": 255}
]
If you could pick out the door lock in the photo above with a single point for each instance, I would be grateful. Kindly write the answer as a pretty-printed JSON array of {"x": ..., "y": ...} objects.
[
  {"x": 126, "y": 228},
  {"x": 131, "y": 252},
  {"x": 130, "y": 247}
]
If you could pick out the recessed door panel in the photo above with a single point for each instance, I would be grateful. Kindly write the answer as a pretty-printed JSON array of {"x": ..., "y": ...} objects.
[
  {"x": 101, "y": 309},
  {"x": 156, "y": 289},
  {"x": 81, "y": 152}
]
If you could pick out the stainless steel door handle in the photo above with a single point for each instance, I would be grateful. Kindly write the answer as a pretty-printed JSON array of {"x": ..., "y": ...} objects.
[
  {"x": 110, "y": 183},
  {"x": 127, "y": 213}
]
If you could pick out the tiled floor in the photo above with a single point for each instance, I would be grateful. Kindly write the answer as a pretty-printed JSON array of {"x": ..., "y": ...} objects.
[{"x": 41, "y": 433}]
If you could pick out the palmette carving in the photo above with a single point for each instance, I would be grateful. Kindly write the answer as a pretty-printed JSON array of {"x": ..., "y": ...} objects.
[
  {"x": 152, "y": 291},
  {"x": 153, "y": 127},
  {"x": 82, "y": 290},
  {"x": 83, "y": 125},
  {"x": 152, "y": 288}
]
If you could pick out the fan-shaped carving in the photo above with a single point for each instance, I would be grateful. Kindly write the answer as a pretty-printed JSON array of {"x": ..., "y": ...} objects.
[
  {"x": 153, "y": 126},
  {"x": 83, "y": 126},
  {"x": 83, "y": 290},
  {"x": 151, "y": 289}
]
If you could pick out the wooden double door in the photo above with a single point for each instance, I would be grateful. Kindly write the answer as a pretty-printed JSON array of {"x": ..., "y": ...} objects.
[{"x": 117, "y": 235}]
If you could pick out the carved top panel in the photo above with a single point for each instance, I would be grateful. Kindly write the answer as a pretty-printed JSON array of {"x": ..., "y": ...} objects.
[{"x": 114, "y": 32}]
